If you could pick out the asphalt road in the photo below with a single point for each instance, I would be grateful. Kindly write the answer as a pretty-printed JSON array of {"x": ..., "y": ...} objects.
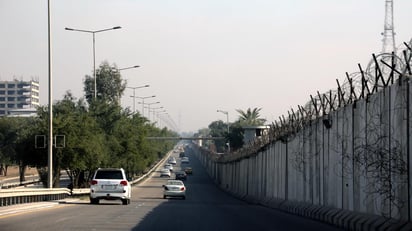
[{"x": 206, "y": 208}]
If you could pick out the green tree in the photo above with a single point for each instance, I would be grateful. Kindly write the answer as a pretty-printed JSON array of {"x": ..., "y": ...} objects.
[
  {"x": 8, "y": 141},
  {"x": 83, "y": 149},
  {"x": 250, "y": 117},
  {"x": 109, "y": 85},
  {"x": 219, "y": 129},
  {"x": 25, "y": 143},
  {"x": 97, "y": 133},
  {"x": 236, "y": 135}
]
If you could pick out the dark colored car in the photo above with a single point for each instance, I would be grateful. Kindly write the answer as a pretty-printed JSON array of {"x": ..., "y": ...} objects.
[
  {"x": 182, "y": 154},
  {"x": 188, "y": 170},
  {"x": 180, "y": 175}
]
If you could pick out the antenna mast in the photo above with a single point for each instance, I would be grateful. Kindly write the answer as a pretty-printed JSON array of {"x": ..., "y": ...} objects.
[{"x": 388, "y": 31}]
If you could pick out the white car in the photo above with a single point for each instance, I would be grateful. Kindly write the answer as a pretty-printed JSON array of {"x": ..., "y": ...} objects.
[
  {"x": 110, "y": 184},
  {"x": 165, "y": 172},
  {"x": 169, "y": 166},
  {"x": 174, "y": 188},
  {"x": 185, "y": 160},
  {"x": 172, "y": 161}
]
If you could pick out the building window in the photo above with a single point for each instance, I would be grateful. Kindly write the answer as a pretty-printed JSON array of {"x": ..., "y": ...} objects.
[
  {"x": 10, "y": 105},
  {"x": 2, "y": 99},
  {"x": 11, "y": 92},
  {"x": 11, "y": 85},
  {"x": 2, "y": 105},
  {"x": 11, "y": 98}
]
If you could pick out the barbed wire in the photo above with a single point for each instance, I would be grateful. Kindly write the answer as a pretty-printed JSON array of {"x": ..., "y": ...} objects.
[{"x": 379, "y": 157}]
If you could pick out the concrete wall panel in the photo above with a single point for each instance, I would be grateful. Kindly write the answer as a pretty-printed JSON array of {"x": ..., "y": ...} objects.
[{"x": 347, "y": 166}]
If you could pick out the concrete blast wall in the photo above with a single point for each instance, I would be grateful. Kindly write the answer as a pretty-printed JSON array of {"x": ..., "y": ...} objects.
[{"x": 362, "y": 163}]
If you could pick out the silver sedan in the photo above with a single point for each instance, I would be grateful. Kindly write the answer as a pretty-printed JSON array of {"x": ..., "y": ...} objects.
[{"x": 174, "y": 188}]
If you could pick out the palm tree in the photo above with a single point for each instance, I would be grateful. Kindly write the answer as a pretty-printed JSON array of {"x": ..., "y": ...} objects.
[{"x": 250, "y": 117}]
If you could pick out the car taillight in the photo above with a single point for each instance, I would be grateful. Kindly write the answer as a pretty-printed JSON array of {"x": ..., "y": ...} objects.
[
  {"x": 182, "y": 189},
  {"x": 93, "y": 182},
  {"x": 123, "y": 182}
]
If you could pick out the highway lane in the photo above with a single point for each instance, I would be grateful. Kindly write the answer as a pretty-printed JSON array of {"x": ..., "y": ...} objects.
[{"x": 205, "y": 208}]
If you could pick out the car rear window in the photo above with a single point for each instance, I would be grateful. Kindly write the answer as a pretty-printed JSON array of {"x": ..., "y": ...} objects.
[
  {"x": 109, "y": 175},
  {"x": 174, "y": 183}
]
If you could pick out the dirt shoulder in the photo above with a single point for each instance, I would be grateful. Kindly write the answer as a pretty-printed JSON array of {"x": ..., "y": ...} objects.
[{"x": 13, "y": 171}]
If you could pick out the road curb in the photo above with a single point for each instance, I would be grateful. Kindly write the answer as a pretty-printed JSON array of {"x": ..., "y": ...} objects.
[{"x": 346, "y": 219}]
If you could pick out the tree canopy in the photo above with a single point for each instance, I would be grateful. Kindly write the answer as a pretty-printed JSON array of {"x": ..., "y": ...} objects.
[
  {"x": 109, "y": 85},
  {"x": 250, "y": 117},
  {"x": 88, "y": 134}
]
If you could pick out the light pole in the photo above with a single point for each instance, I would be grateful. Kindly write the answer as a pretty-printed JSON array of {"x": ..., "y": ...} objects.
[
  {"x": 143, "y": 98},
  {"x": 148, "y": 107},
  {"x": 227, "y": 121},
  {"x": 125, "y": 68},
  {"x": 134, "y": 96},
  {"x": 154, "y": 111},
  {"x": 159, "y": 117},
  {"x": 50, "y": 146},
  {"x": 94, "y": 49}
]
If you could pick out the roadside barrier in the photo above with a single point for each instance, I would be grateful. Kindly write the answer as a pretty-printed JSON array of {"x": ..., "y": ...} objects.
[
  {"x": 19, "y": 196},
  {"x": 11, "y": 194}
]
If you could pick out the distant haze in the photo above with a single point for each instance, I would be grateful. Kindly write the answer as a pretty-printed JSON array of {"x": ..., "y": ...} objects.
[{"x": 199, "y": 56}]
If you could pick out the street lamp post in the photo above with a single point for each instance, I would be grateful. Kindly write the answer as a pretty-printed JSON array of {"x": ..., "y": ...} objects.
[
  {"x": 50, "y": 140},
  {"x": 227, "y": 121},
  {"x": 125, "y": 68},
  {"x": 94, "y": 49},
  {"x": 154, "y": 111},
  {"x": 148, "y": 107},
  {"x": 143, "y": 98},
  {"x": 156, "y": 116},
  {"x": 134, "y": 96},
  {"x": 159, "y": 117}
]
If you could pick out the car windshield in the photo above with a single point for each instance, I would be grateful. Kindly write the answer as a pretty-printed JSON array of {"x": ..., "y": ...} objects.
[
  {"x": 115, "y": 174},
  {"x": 174, "y": 183}
]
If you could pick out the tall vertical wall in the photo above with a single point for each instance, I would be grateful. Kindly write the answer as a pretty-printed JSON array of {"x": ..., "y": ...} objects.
[{"x": 361, "y": 163}]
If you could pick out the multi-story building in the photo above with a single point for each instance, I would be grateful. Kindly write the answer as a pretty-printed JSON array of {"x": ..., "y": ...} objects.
[{"x": 18, "y": 97}]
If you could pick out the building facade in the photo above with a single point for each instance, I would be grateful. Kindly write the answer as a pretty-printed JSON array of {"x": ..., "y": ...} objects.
[{"x": 18, "y": 96}]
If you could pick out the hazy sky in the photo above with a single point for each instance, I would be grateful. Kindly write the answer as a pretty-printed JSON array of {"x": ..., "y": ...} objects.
[{"x": 199, "y": 56}]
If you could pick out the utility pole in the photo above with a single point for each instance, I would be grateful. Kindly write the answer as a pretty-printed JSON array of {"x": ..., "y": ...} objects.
[
  {"x": 227, "y": 121},
  {"x": 388, "y": 33}
]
